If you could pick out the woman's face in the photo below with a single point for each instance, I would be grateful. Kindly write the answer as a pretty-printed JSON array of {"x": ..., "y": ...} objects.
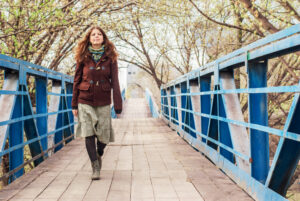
[{"x": 96, "y": 37}]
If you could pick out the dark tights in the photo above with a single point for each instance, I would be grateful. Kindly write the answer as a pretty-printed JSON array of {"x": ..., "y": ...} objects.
[{"x": 91, "y": 147}]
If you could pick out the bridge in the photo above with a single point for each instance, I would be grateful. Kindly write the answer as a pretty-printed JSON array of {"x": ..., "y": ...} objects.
[{"x": 199, "y": 147}]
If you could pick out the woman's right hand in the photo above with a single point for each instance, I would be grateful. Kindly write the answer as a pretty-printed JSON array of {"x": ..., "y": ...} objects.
[{"x": 75, "y": 112}]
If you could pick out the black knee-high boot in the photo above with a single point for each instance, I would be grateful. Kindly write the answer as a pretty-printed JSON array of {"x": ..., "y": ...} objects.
[
  {"x": 91, "y": 149},
  {"x": 100, "y": 151}
]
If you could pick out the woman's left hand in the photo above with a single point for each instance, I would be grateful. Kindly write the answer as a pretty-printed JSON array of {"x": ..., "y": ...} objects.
[{"x": 75, "y": 112}]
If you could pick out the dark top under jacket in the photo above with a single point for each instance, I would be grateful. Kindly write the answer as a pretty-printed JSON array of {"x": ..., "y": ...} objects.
[{"x": 93, "y": 83}]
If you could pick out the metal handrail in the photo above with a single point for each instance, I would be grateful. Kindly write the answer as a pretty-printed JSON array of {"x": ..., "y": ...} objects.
[
  {"x": 18, "y": 116},
  {"x": 152, "y": 104},
  {"x": 212, "y": 120}
]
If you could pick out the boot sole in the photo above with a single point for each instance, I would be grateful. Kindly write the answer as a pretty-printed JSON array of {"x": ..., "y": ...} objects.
[{"x": 98, "y": 178}]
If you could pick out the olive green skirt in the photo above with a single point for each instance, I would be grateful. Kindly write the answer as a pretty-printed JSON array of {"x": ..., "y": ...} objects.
[{"x": 95, "y": 121}]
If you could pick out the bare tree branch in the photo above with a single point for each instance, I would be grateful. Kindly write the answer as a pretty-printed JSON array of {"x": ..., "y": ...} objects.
[
  {"x": 221, "y": 23},
  {"x": 257, "y": 15}
]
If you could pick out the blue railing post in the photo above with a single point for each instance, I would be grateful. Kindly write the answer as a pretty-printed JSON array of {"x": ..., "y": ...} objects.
[
  {"x": 58, "y": 137},
  {"x": 179, "y": 105},
  {"x": 165, "y": 107},
  {"x": 67, "y": 132},
  {"x": 151, "y": 102},
  {"x": 213, "y": 128},
  {"x": 258, "y": 114},
  {"x": 174, "y": 105},
  {"x": 194, "y": 88},
  {"x": 69, "y": 101},
  {"x": 162, "y": 101},
  {"x": 190, "y": 121},
  {"x": 224, "y": 132},
  {"x": 41, "y": 107},
  {"x": 168, "y": 93},
  {"x": 16, "y": 134},
  {"x": 205, "y": 104},
  {"x": 184, "y": 103}
]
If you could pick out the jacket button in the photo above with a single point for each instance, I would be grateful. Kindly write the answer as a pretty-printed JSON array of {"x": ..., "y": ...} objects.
[
  {"x": 92, "y": 67},
  {"x": 91, "y": 81}
]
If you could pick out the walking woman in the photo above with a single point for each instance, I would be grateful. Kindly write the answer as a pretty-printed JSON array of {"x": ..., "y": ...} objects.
[{"x": 95, "y": 75}]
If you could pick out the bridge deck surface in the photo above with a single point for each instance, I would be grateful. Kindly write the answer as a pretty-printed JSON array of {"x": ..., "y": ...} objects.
[{"x": 148, "y": 161}]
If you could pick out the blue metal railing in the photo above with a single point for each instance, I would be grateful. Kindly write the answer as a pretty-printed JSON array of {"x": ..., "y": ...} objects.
[
  {"x": 212, "y": 120},
  {"x": 46, "y": 128},
  {"x": 113, "y": 113},
  {"x": 152, "y": 105}
]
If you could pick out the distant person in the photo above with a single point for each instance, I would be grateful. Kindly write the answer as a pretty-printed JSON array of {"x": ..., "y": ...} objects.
[{"x": 95, "y": 75}]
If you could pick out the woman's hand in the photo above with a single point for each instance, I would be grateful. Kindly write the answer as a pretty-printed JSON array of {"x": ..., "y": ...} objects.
[
  {"x": 75, "y": 112},
  {"x": 118, "y": 116}
]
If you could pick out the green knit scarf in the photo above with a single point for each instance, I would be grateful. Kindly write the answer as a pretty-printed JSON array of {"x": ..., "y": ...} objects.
[{"x": 96, "y": 53}]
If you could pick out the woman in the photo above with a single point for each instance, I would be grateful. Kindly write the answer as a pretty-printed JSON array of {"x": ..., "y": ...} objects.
[{"x": 96, "y": 73}]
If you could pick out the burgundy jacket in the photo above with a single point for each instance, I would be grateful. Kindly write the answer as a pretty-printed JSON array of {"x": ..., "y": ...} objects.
[{"x": 93, "y": 83}]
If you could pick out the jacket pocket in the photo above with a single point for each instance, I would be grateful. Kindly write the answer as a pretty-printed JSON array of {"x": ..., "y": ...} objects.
[
  {"x": 85, "y": 91},
  {"x": 106, "y": 86},
  {"x": 84, "y": 86}
]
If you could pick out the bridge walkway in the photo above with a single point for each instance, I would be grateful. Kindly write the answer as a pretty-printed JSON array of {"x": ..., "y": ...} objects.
[{"x": 148, "y": 161}]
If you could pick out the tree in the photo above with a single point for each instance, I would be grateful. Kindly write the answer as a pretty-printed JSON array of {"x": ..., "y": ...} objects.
[
  {"x": 136, "y": 35},
  {"x": 44, "y": 31}
]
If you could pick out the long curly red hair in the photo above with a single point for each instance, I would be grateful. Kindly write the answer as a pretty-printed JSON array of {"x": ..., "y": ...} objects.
[{"x": 81, "y": 50}]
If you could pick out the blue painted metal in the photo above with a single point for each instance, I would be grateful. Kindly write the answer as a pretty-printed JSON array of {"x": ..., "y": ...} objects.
[
  {"x": 187, "y": 115},
  {"x": 164, "y": 100},
  {"x": 41, "y": 107},
  {"x": 190, "y": 117},
  {"x": 13, "y": 92},
  {"x": 113, "y": 112},
  {"x": 57, "y": 94},
  {"x": 173, "y": 106},
  {"x": 205, "y": 104},
  {"x": 277, "y": 132},
  {"x": 216, "y": 143},
  {"x": 183, "y": 87},
  {"x": 58, "y": 137},
  {"x": 224, "y": 133},
  {"x": 258, "y": 114},
  {"x": 167, "y": 111},
  {"x": 238, "y": 154},
  {"x": 16, "y": 135},
  {"x": 286, "y": 160},
  {"x": 69, "y": 89},
  {"x": 213, "y": 126},
  {"x": 6, "y": 151},
  {"x": 23, "y": 118},
  {"x": 151, "y": 103},
  {"x": 31, "y": 116},
  {"x": 67, "y": 132},
  {"x": 277, "y": 89},
  {"x": 30, "y": 129}
]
